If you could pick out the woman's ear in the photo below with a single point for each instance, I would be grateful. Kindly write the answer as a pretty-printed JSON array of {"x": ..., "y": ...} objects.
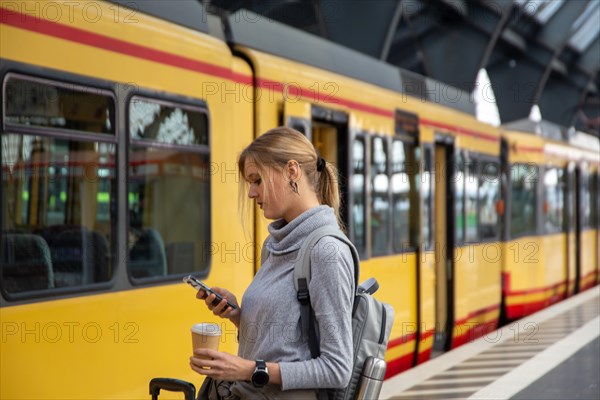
[{"x": 293, "y": 170}]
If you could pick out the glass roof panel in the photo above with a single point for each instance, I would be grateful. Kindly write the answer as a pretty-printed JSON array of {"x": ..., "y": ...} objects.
[
  {"x": 547, "y": 10},
  {"x": 541, "y": 10},
  {"x": 586, "y": 28}
]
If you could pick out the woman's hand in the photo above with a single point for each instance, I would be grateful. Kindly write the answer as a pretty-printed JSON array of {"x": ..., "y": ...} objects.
[
  {"x": 219, "y": 309},
  {"x": 222, "y": 366}
]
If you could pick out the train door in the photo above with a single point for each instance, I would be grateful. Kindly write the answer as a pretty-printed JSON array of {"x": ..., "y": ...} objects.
[
  {"x": 579, "y": 187},
  {"x": 443, "y": 207},
  {"x": 297, "y": 115},
  {"x": 328, "y": 131},
  {"x": 330, "y": 138},
  {"x": 573, "y": 229}
]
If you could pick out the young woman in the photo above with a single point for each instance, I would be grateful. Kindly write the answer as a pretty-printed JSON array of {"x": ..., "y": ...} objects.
[{"x": 298, "y": 190}]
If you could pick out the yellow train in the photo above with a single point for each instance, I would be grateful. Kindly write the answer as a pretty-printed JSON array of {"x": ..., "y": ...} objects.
[{"x": 120, "y": 132}]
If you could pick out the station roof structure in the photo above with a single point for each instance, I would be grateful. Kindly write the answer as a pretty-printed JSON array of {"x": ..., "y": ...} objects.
[{"x": 542, "y": 53}]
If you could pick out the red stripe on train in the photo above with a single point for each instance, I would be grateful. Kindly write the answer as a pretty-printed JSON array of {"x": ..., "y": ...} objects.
[
  {"x": 398, "y": 365},
  {"x": 81, "y": 36}
]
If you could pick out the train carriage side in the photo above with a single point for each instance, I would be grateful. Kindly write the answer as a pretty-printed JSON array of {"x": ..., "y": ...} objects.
[
  {"x": 550, "y": 249},
  {"x": 461, "y": 254},
  {"x": 584, "y": 153},
  {"x": 530, "y": 280},
  {"x": 117, "y": 169}
]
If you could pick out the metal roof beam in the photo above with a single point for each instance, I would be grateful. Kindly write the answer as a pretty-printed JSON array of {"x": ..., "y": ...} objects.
[
  {"x": 555, "y": 34},
  {"x": 569, "y": 93},
  {"x": 391, "y": 30},
  {"x": 590, "y": 59},
  {"x": 503, "y": 10},
  {"x": 362, "y": 26},
  {"x": 448, "y": 43}
]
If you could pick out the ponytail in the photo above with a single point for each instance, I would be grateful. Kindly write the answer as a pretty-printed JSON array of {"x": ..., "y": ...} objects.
[{"x": 328, "y": 190}]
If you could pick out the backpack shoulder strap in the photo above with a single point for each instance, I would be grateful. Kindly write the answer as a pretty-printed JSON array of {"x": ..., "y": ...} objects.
[
  {"x": 302, "y": 279},
  {"x": 302, "y": 266}
]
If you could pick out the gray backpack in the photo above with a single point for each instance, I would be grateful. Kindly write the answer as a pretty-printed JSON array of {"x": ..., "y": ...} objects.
[{"x": 371, "y": 321}]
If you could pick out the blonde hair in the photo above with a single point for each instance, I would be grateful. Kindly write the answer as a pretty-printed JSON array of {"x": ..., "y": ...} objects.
[{"x": 275, "y": 148}]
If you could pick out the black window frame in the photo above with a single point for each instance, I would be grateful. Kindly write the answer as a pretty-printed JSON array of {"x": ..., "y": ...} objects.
[
  {"x": 427, "y": 206},
  {"x": 460, "y": 158},
  {"x": 362, "y": 248},
  {"x": 552, "y": 228},
  {"x": 169, "y": 100},
  {"x": 388, "y": 231},
  {"x": 398, "y": 246},
  {"x": 537, "y": 211},
  {"x": 78, "y": 84},
  {"x": 586, "y": 188},
  {"x": 484, "y": 160}
]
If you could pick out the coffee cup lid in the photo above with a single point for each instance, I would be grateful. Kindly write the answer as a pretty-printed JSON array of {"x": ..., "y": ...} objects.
[{"x": 207, "y": 329}]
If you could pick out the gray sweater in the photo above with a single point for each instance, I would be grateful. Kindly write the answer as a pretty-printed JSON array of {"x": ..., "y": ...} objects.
[{"x": 270, "y": 316}]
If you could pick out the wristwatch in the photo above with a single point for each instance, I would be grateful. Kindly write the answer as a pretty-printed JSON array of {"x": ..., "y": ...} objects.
[{"x": 260, "y": 376}]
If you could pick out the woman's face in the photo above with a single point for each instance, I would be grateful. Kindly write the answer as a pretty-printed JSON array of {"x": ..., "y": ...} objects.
[{"x": 268, "y": 190}]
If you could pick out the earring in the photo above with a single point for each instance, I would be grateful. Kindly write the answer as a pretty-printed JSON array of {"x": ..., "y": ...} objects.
[{"x": 294, "y": 186}]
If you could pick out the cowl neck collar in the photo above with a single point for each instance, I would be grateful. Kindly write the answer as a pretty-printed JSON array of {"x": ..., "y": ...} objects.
[{"x": 288, "y": 237}]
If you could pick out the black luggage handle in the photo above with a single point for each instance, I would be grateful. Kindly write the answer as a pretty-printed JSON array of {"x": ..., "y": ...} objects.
[{"x": 172, "y": 385}]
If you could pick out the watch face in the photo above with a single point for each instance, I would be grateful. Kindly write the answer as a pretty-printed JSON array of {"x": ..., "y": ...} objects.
[{"x": 260, "y": 378}]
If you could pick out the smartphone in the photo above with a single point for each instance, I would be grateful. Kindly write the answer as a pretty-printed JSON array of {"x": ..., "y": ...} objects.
[{"x": 198, "y": 284}]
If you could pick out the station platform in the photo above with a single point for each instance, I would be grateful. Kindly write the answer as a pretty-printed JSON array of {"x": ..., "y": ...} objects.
[{"x": 552, "y": 354}]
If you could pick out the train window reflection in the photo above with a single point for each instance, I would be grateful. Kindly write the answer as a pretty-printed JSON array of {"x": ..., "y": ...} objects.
[
  {"x": 168, "y": 190},
  {"x": 586, "y": 201},
  {"x": 488, "y": 196},
  {"x": 57, "y": 224},
  {"x": 404, "y": 196},
  {"x": 595, "y": 200},
  {"x": 459, "y": 189},
  {"x": 523, "y": 221},
  {"x": 358, "y": 233},
  {"x": 427, "y": 190},
  {"x": 554, "y": 199},
  {"x": 380, "y": 205},
  {"x": 472, "y": 217},
  {"x": 44, "y": 104},
  {"x": 167, "y": 123}
]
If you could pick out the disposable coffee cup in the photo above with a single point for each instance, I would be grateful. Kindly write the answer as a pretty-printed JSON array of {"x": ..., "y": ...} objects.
[{"x": 206, "y": 336}]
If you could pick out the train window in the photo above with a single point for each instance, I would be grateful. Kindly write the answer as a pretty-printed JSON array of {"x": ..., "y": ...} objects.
[
  {"x": 58, "y": 186},
  {"x": 459, "y": 191},
  {"x": 595, "y": 199},
  {"x": 488, "y": 196},
  {"x": 359, "y": 195},
  {"x": 586, "y": 201},
  {"x": 554, "y": 199},
  {"x": 427, "y": 182},
  {"x": 404, "y": 196},
  {"x": 38, "y": 103},
  {"x": 569, "y": 212},
  {"x": 523, "y": 197},
  {"x": 58, "y": 199},
  {"x": 380, "y": 203},
  {"x": 168, "y": 172},
  {"x": 167, "y": 123},
  {"x": 471, "y": 199}
]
